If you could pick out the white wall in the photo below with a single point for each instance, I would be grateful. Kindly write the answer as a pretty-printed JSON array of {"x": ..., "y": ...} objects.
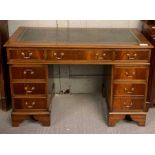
[{"x": 14, "y": 24}]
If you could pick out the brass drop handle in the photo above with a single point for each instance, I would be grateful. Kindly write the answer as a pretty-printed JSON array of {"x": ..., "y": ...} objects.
[
  {"x": 129, "y": 92},
  {"x": 104, "y": 54},
  {"x": 128, "y": 105},
  {"x": 97, "y": 55},
  {"x": 26, "y": 56},
  {"x": 58, "y": 57},
  {"x": 30, "y": 106},
  {"x": 28, "y": 89},
  {"x": 130, "y": 75},
  {"x": 131, "y": 56},
  {"x": 100, "y": 57},
  {"x": 28, "y": 70}
]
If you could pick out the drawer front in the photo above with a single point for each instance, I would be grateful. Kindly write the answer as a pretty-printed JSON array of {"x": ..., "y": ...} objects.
[
  {"x": 128, "y": 73},
  {"x": 29, "y": 88},
  {"x": 30, "y": 103},
  {"x": 132, "y": 55},
  {"x": 80, "y": 54},
  {"x": 104, "y": 54},
  {"x": 129, "y": 89},
  {"x": 26, "y": 54},
  {"x": 28, "y": 72},
  {"x": 128, "y": 104}
]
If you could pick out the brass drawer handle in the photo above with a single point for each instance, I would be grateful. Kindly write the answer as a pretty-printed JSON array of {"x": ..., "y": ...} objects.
[
  {"x": 132, "y": 56},
  {"x": 28, "y": 70},
  {"x": 29, "y": 89},
  {"x": 28, "y": 105},
  {"x": 26, "y": 56},
  {"x": 130, "y": 75},
  {"x": 128, "y": 105},
  {"x": 129, "y": 92},
  {"x": 58, "y": 57},
  {"x": 104, "y": 54},
  {"x": 100, "y": 57}
]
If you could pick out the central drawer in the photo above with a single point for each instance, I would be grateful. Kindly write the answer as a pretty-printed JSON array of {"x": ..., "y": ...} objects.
[
  {"x": 29, "y": 88},
  {"x": 129, "y": 89},
  {"x": 105, "y": 54},
  {"x": 28, "y": 72},
  {"x": 30, "y": 103}
]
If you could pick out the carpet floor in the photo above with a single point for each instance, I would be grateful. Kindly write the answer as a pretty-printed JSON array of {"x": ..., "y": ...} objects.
[{"x": 77, "y": 114}]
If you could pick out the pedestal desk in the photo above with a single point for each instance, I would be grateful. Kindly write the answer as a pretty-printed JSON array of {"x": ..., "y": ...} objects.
[{"x": 126, "y": 53}]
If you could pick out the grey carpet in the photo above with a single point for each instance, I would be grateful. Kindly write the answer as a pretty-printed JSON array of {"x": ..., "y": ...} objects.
[{"x": 80, "y": 113}]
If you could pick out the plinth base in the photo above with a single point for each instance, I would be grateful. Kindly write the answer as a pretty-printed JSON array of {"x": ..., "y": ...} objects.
[
  {"x": 18, "y": 117},
  {"x": 113, "y": 118}
]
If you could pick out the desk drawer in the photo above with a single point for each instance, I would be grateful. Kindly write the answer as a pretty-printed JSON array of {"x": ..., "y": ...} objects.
[
  {"x": 129, "y": 89},
  {"x": 130, "y": 73},
  {"x": 29, "y": 88},
  {"x": 25, "y": 54},
  {"x": 28, "y": 72},
  {"x": 128, "y": 104},
  {"x": 104, "y": 54},
  {"x": 30, "y": 103},
  {"x": 132, "y": 55}
]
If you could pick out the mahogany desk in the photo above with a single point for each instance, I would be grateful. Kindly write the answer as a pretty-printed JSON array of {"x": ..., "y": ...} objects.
[{"x": 126, "y": 52}]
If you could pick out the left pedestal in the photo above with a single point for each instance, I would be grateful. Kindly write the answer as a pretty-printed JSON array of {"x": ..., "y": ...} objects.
[{"x": 29, "y": 87}]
